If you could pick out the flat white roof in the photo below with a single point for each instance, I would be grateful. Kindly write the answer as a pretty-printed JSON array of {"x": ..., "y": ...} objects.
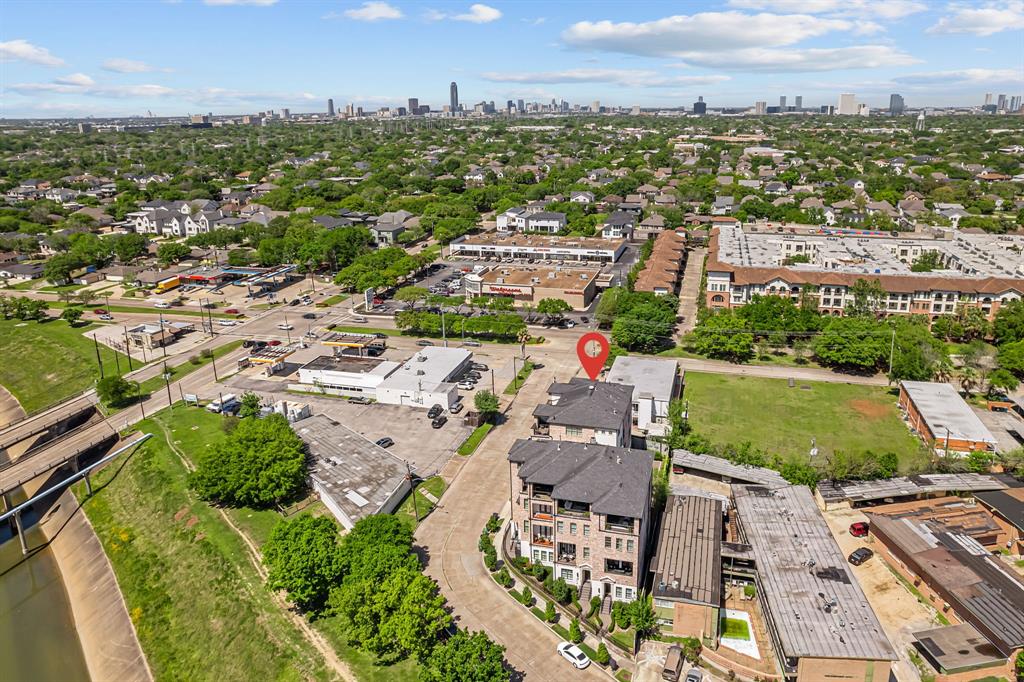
[
  {"x": 649, "y": 377},
  {"x": 944, "y": 411},
  {"x": 429, "y": 368}
]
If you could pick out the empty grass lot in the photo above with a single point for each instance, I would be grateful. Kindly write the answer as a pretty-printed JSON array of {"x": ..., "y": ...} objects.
[
  {"x": 783, "y": 420},
  {"x": 43, "y": 363},
  {"x": 201, "y": 610},
  {"x": 434, "y": 485}
]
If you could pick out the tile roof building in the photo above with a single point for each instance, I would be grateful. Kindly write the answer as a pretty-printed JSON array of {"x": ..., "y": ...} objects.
[{"x": 586, "y": 411}]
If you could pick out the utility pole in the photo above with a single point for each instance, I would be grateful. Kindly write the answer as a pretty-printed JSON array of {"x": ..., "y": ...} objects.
[
  {"x": 892, "y": 350},
  {"x": 128, "y": 348},
  {"x": 412, "y": 488},
  {"x": 444, "y": 335},
  {"x": 99, "y": 360},
  {"x": 492, "y": 383},
  {"x": 167, "y": 383}
]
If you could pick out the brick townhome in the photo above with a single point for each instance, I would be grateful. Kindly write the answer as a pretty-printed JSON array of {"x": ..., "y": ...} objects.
[
  {"x": 585, "y": 411},
  {"x": 584, "y": 510}
]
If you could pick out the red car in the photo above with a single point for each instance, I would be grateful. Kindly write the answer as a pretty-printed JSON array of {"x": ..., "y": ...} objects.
[
  {"x": 273, "y": 342},
  {"x": 859, "y": 529},
  {"x": 231, "y": 311},
  {"x": 100, "y": 311},
  {"x": 377, "y": 300}
]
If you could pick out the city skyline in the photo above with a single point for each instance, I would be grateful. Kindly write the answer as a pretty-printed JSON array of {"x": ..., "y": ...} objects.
[{"x": 732, "y": 53}]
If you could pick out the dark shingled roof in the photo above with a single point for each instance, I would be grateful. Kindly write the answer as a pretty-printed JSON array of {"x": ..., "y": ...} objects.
[
  {"x": 611, "y": 480},
  {"x": 590, "y": 404}
]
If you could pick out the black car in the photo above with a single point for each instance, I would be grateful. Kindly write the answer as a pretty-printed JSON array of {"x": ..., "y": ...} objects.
[
  {"x": 385, "y": 442},
  {"x": 309, "y": 316},
  {"x": 859, "y": 556},
  {"x": 473, "y": 374},
  {"x": 434, "y": 411},
  {"x": 439, "y": 422},
  {"x": 479, "y": 366},
  {"x": 294, "y": 301}
]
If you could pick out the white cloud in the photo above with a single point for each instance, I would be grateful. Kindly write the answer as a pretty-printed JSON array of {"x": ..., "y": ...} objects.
[
  {"x": 982, "y": 21},
  {"x": 963, "y": 77},
  {"x": 434, "y": 15},
  {"x": 93, "y": 90},
  {"x": 118, "y": 65},
  {"x": 479, "y": 14},
  {"x": 222, "y": 3},
  {"x": 79, "y": 79},
  {"x": 374, "y": 11},
  {"x": 802, "y": 60},
  {"x": 707, "y": 31},
  {"x": 24, "y": 51},
  {"x": 627, "y": 77},
  {"x": 883, "y": 9}
]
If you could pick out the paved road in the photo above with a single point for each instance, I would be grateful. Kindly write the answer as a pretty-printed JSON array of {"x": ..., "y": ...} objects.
[
  {"x": 38, "y": 423},
  {"x": 449, "y": 536},
  {"x": 690, "y": 289}
]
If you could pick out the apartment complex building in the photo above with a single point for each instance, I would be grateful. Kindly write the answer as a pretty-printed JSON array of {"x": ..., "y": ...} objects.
[
  {"x": 981, "y": 270},
  {"x": 583, "y": 509},
  {"x": 584, "y": 411}
]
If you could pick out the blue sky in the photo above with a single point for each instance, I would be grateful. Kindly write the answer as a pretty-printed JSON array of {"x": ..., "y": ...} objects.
[{"x": 79, "y": 57}]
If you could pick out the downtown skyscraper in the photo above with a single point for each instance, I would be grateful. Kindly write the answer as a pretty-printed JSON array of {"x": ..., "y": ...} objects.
[{"x": 453, "y": 97}]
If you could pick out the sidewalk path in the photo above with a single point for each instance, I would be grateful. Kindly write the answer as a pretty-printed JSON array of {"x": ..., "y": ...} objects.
[{"x": 690, "y": 289}]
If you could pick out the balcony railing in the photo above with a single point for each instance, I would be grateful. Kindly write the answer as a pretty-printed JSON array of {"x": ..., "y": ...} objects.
[
  {"x": 618, "y": 570},
  {"x": 567, "y": 511},
  {"x": 543, "y": 516},
  {"x": 543, "y": 541},
  {"x": 567, "y": 558}
]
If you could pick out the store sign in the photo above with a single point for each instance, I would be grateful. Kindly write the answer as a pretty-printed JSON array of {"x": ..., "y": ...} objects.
[{"x": 506, "y": 290}]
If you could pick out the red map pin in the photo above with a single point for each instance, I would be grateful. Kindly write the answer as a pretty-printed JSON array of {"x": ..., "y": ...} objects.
[{"x": 592, "y": 364}]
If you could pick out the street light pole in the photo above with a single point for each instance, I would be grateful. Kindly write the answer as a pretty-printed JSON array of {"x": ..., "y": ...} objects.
[{"x": 128, "y": 348}]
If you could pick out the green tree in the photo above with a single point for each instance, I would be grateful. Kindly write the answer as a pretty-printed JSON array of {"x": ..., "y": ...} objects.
[
  {"x": 71, "y": 315},
  {"x": 575, "y": 633},
  {"x": 116, "y": 391},
  {"x": 486, "y": 404},
  {"x": 852, "y": 343},
  {"x": 527, "y": 595},
  {"x": 642, "y": 615},
  {"x": 411, "y": 295},
  {"x": 128, "y": 247},
  {"x": 1011, "y": 358},
  {"x": 1002, "y": 380},
  {"x": 552, "y": 307},
  {"x": 602, "y": 657},
  {"x": 302, "y": 557},
  {"x": 723, "y": 335},
  {"x": 1008, "y": 326},
  {"x": 261, "y": 462},
  {"x": 172, "y": 252},
  {"x": 250, "y": 405},
  {"x": 927, "y": 261},
  {"x": 868, "y": 298},
  {"x": 59, "y": 267},
  {"x": 550, "y": 615},
  {"x": 466, "y": 657}
]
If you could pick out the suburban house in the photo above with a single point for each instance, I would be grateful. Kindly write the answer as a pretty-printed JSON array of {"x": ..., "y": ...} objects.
[
  {"x": 655, "y": 381},
  {"x": 618, "y": 225},
  {"x": 521, "y": 219},
  {"x": 584, "y": 411},
  {"x": 584, "y": 510}
]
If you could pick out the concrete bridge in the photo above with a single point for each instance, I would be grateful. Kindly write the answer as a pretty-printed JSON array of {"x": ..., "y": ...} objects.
[{"x": 47, "y": 425}]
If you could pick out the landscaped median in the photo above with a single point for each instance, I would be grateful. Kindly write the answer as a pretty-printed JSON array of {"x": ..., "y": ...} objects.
[
  {"x": 561, "y": 602},
  {"x": 519, "y": 379},
  {"x": 470, "y": 445}
]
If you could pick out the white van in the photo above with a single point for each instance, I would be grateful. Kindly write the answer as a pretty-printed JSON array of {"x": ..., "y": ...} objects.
[{"x": 224, "y": 402}]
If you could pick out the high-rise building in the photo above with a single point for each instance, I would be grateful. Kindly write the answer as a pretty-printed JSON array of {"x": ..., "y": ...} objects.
[
  {"x": 521, "y": 106},
  {"x": 760, "y": 108},
  {"x": 919, "y": 124},
  {"x": 988, "y": 98},
  {"x": 286, "y": 114},
  {"x": 636, "y": 110},
  {"x": 782, "y": 103},
  {"x": 799, "y": 102},
  {"x": 330, "y": 108},
  {"x": 595, "y": 106},
  {"x": 896, "y": 105},
  {"x": 700, "y": 107},
  {"x": 1001, "y": 103},
  {"x": 1015, "y": 104},
  {"x": 414, "y": 105},
  {"x": 453, "y": 97},
  {"x": 847, "y": 104}
]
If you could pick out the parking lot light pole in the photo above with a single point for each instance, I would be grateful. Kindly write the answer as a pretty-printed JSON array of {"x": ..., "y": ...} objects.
[{"x": 128, "y": 348}]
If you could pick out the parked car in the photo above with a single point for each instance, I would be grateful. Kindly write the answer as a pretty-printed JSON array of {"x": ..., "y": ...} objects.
[
  {"x": 253, "y": 343},
  {"x": 377, "y": 300},
  {"x": 573, "y": 654},
  {"x": 309, "y": 316},
  {"x": 694, "y": 675},
  {"x": 473, "y": 374},
  {"x": 359, "y": 400},
  {"x": 439, "y": 422},
  {"x": 106, "y": 316},
  {"x": 860, "y": 555},
  {"x": 456, "y": 408},
  {"x": 424, "y": 342},
  {"x": 566, "y": 324},
  {"x": 385, "y": 442},
  {"x": 584, "y": 319},
  {"x": 284, "y": 326},
  {"x": 474, "y": 344},
  {"x": 226, "y": 323},
  {"x": 100, "y": 311},
  {"x": 673, "y": 664},
  {"x": 273, "y": 342},
  {"x": 434, "y": 411},
  {"x": 859, "y": 529},
  {"x": 294, "y": 301},
  {"x": 479, "y": 366},
  {"x": 231, "y": 311},
  {"x": 467, "y": 385}
]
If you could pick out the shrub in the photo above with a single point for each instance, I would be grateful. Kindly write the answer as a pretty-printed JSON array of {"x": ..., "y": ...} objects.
[
  {"x": 491, "y": 559},
  {"x": 206, "y": 353},
  {"x": 602, "y": 657},
  {"x": 550, "y": 615},
  {"x": 691, "y": 649},
  {"x": 595, "y": 604},
  {"x": 575, "y": 634},
  {"x": 503, "y": 578},
  {"x": 620, "y": 614},
  {"x": 559, "y": 590},
  {"x": 527, "y": 596},
  {"x": 494, "y": 524},
  {"x": 194, "y": 359},
  {"x": 522, "y": 563},
  {"x": 484, "y": 543},
  {"x": 749, "y": 590}
]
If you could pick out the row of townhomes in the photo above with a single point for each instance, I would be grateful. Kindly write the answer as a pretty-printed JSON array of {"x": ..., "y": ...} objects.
[{"x": 972, "y": 267}]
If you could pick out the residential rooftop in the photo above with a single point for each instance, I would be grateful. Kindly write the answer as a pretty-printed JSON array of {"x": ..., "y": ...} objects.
[
  {"x": 612, "y": 480},
  {"x": 687, "y": 564},
  {"x": 584, "y": 403},
  {"x": 650, "y": 377},
  {"x": 815, "y": 602},
  {"x": 967, "y": 255}
]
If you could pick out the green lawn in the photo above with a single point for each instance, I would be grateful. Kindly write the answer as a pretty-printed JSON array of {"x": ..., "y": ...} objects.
[
  {"x": 735, "y": 628},
  {"x": 473, "y": 442},
  {"x": 174, "y": 310},
  {"x": 200, "y": 608},
  {"x": 332, "y": 300},
  {"x": 178, "y": 371},
  {"x": 783, "y": 420},
  {"x": 517, "y": 382},
  {"x": 44, "y": 363},
  {"x": 624, "y": 638},
  {"x": 435, "y": 485}
]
